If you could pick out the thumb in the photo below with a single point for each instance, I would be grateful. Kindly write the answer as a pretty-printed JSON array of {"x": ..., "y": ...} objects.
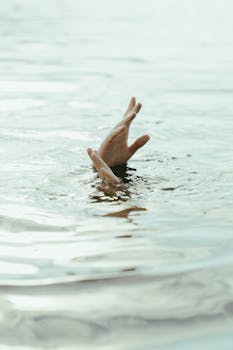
[{"x": 141, "y": 141}]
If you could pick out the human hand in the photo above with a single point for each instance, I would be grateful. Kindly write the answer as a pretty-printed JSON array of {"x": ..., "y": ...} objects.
[
  {"x": 105, "y": 173},
  {"x": 114, "y": 150}
]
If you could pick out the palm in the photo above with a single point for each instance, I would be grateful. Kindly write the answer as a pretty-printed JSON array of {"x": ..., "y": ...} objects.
[{"x": 115, "y": 150}]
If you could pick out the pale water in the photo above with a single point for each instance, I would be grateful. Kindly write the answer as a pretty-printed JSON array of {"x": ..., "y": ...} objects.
[{"x": 150, "y": 268}]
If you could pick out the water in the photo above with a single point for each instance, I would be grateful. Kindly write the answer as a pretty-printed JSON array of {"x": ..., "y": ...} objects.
[{"x": 146, "y": 269}]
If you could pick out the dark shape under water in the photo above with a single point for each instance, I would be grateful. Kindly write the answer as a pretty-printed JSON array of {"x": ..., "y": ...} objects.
[
  {"x": 121, "y": 192},
  {"x": 125, "y": 212},
  {"x": 124, "y": 172}
]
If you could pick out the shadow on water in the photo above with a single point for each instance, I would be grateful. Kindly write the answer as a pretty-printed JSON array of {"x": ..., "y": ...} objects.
[{"x": 125, "y": 213}]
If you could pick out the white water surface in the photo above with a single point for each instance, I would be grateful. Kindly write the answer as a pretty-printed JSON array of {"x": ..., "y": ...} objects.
[{"x": 150, "y": 268}]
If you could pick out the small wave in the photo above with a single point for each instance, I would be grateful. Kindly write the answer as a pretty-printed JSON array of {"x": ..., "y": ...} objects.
[
  {"x": 14, "y": 218},
  {"x": 44, "y": 134},
  {"x": 14, "y": 225},
  {"x": 36, "y": 86},
  {"x": 19, "y": 104}
]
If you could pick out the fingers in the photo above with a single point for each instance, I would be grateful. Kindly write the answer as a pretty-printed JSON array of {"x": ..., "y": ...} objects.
[
  {"x": 128, "y": 120},
  {"x": 97, "y": 161},
  {"x": 108, "y": 177},
  {"x": 89, "y": 152},
  {"x": 137, "y": 107},
  {"x": 115, "y": 133},
  {"x": 130, "y": 114},
  {"x": 105, "y": 173},
  {"x": 132, "y": 103},
  {"x": 140, "y": 142}
]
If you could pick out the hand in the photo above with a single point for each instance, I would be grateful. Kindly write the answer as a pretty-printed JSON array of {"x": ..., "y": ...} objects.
[
  {"x": 115, "y": 150},
  {"x": 105, "y": 173}
]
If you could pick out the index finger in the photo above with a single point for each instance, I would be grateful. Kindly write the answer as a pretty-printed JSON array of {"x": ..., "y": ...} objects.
[{"x": 131, "y": 105}]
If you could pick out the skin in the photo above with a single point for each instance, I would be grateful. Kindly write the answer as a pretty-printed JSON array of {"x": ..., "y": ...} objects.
[
  {"x": 104, "y": 171},
  {"x": 114, "y": 150}
]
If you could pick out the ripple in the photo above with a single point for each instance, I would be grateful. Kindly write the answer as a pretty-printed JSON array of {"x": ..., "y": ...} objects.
[
  {"x": 36, "y": 86},
  {"x": 45, "y": 134},
  {"x": 9, "y": 268},
  {"x": 17, "y": 218},
  {"x": 145, "y": 268},
  {"x": 19, "y": 104},
  {"x": 27, "y": 225}
]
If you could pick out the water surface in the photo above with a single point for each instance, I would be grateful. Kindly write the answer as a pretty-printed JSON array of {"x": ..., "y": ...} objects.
[{"x": 146, "y": 269}]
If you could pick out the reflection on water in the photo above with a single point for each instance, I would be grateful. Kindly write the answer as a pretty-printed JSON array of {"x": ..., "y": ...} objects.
[
  {"x": 125, "y": 190},
  {"x": 125, "y": 212},
  {"x": 149, "y": 265}
]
